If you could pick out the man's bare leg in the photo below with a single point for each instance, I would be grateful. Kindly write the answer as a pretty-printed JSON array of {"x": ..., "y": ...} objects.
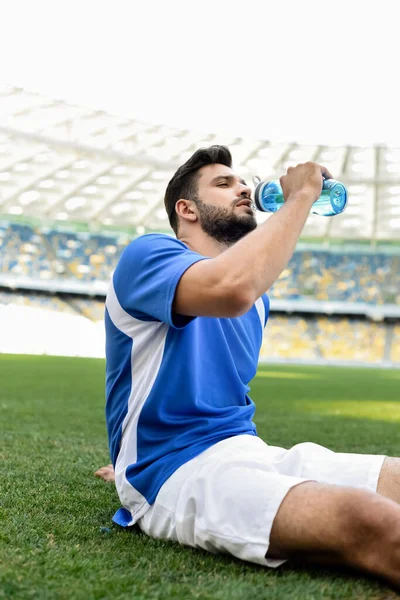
[
  {"x": 332, "y": 524},
  {"x": 389, "y": 479}
]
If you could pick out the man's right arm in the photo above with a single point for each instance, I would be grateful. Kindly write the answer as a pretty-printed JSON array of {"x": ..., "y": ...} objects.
[{"x": 228, "y": 285}]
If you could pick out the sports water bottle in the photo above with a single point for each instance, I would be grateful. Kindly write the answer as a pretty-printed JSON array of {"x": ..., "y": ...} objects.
[{"x": 268, "y": 197}]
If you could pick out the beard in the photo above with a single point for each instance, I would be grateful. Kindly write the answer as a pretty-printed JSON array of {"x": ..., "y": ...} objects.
[{"x": 224, "y": 226}]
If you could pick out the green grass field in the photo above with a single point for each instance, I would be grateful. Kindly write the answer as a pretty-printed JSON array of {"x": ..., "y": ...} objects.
[{"x": 56, "y": 536}]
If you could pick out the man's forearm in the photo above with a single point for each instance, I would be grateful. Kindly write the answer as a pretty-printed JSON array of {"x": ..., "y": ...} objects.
[{"x": 257, "y": 260}]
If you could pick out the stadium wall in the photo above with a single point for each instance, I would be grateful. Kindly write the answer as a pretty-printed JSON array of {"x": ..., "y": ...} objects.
[
  {"x": 32, "y": 330},
  {"x": 99, "y": 288}
]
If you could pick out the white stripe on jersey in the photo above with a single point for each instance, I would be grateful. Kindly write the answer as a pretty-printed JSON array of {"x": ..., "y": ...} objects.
[
  {"x": 261, "y": 312},
  {"x": 148, "y": 339}
]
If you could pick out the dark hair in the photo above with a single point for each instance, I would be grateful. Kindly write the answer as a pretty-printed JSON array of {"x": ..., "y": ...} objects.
[{"x": 184, "y": 183}]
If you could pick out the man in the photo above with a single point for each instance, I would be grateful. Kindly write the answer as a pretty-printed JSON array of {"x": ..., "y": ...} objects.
[{"x": 184, "y": 324}]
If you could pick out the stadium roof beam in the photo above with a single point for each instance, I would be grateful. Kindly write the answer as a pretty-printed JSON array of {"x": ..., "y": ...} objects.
[
  {"x": 107, "y": 203},
  {"x": 49, "y": 124},
  {"x": 87, "y": 181},
  {"x": 376, "y": 193},
  {"x": 317, "y": 153},
  {"x": 284, "y": 156},
  {"x": 345, "y": 162},
  {"x": 22, "y": 157},
  {"x": 255, "y": 151},
  {"x": 7, "y": 167},
  {"x": 34, "y": 182},
  {"x": 113, "y": 155}
]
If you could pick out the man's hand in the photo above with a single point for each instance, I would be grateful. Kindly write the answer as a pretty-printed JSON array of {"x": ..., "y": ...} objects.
[
  {"x": 106, "y": 473},
  {"x": 304, "y": 179}
]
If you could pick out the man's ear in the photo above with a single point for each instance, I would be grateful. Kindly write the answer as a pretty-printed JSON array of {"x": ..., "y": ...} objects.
[{"x": 186, "y": 210}]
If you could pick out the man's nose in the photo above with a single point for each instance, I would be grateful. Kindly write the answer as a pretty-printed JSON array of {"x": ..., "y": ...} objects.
[{"x": 244, "y": 191}]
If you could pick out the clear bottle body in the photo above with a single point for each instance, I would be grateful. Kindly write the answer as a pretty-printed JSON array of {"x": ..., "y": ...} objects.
[{"x": 268, "y": 197}]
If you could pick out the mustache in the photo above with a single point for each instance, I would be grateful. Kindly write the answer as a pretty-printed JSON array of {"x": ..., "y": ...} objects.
[{"x": 245, "y": 199}]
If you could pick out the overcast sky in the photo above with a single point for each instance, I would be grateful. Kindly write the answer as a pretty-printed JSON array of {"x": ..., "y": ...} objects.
[{"x": 307, "y": 71}]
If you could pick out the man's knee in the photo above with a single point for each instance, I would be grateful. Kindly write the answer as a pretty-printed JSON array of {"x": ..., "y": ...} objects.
[
  {"x": 342, "y": 522},
  {"x": 370, "y": 529}
]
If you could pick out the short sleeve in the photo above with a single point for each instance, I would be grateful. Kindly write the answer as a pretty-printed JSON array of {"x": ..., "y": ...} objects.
[{"x": 148, "y": 274}]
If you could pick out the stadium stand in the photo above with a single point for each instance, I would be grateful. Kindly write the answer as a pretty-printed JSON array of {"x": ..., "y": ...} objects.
[
  {"x": 329, "y": 339},
  {"x": 355, "y": 277},
  {"x": 288, "y": 337},
  {"x": 84, "y": 256},
  {"x": 42, "y": 301},
  {"x": 91, "y": 309},
  {"x": 350, "y": 339},
  {"x": 24, "y": 252},
  {"x": 317, "y": 275}
]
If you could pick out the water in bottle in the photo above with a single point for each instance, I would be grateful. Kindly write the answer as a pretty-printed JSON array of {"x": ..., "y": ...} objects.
[{"x": 268, "y": 197}]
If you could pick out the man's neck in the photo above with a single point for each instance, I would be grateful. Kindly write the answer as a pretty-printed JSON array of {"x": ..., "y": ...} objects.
[{"x": 204, "y": 245}]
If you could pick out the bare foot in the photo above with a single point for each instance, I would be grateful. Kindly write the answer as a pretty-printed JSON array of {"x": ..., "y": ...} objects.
[{"x": 106, "y": 473}]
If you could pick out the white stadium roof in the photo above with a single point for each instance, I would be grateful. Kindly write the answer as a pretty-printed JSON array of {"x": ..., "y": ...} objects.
[{"x": 62, "y": 162}]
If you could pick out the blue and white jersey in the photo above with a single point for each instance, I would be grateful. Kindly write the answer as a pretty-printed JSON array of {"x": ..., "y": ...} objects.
[{"x": 175, "y": 385}]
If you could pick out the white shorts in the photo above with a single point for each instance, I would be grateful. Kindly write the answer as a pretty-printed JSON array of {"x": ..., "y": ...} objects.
[{"x": 225, "y": 500}]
